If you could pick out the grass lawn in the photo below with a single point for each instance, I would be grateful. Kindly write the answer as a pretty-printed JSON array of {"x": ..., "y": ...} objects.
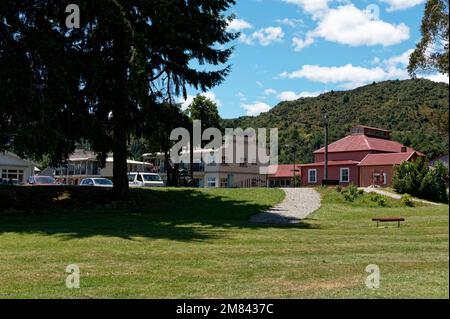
[{"x": 174, "y": 243}]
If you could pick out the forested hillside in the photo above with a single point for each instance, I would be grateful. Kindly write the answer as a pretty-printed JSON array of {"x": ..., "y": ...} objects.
[{"x": 416, "y": 111}]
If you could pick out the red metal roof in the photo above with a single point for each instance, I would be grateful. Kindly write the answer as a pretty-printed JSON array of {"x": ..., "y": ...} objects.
[
  {"x": 331, "y": 163},
  {"x": 360, "y": 142},
  {"x": 386, "y": 159},
  {"x": 285, "y": 170}
]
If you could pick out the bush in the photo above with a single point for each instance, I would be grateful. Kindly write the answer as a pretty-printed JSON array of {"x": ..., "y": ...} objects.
[
  {"x": 407, "y": 200},
  {"x": 351, "y": 193},
  {"x": 419, "y": 180},
  {"x": 381, "y": 200},
  {"x": 339, "y": 189}
]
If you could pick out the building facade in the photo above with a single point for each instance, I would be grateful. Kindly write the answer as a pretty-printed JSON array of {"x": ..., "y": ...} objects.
[
  {"x": 367, "y": 156},
  {"x": 14, "y": 169}
]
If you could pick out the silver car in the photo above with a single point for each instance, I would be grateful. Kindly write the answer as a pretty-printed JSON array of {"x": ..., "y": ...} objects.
[
  {"x": 96, "y": 182},
  {"x": 145, "y": 180}
]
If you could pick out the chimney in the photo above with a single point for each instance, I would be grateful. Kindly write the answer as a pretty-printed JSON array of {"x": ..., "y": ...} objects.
[{"x": 404, "y": 149}]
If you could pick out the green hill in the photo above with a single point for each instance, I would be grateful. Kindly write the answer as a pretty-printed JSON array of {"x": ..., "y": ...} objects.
[{"x": 416, "y": 111}]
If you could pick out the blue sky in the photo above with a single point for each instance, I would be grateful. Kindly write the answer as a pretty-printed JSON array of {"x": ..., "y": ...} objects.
[{"x": 298, "y": 48}]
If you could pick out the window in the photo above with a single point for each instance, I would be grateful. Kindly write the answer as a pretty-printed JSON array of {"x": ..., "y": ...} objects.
[
  {"x": 224, "y": 182},
  {"x": 345, "y": 175},
  {"x": 312, "y": 176},
  {"x": 211, "y": 182},
  {"x": 12, "y": 174}
]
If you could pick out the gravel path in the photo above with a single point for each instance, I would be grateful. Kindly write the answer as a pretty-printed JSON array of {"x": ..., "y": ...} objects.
[{"x": 297, "y": 205}]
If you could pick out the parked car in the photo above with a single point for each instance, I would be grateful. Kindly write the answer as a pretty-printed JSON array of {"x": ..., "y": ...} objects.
[
  {"x": 145, "y": 180},
  {"x": 41, "y": 181},
  {"x": 10, "y": 181},
  {"x": 96, "y": 182}
]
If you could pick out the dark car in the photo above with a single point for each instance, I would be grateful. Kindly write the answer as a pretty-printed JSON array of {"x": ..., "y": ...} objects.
[{"x": 41, "y": 181}]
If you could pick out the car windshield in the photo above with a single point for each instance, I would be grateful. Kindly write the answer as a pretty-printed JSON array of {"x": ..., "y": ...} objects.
[
  {"x": 151, "y": 178},
  {"x": 45, "y": 180},
  {"x": 103, "y": 181},
  {"x": 131, "y": 177}
]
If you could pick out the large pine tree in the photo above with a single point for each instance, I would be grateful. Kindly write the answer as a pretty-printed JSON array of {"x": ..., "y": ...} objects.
[{"x": 96, "y": 82}]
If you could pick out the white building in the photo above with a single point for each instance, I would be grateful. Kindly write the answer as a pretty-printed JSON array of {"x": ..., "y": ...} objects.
[{"x": 14, "y": 168}]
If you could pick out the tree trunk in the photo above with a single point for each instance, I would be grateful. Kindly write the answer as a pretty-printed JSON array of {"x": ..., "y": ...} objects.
[{"x": 120, "y": 113}]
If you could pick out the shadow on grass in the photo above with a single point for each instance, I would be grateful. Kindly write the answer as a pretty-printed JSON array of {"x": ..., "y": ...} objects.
[{"x": 175, "y": 214}]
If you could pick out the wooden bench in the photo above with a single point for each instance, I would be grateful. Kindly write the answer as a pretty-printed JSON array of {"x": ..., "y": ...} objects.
[{"x": 387, "y": 220}]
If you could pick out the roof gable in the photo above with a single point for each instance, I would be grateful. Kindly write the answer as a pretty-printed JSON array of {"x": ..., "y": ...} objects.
[{"x": 11, "y": 159}]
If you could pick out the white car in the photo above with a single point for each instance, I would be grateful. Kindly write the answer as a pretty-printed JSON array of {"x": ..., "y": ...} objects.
[
  {"x": 96, "y": 182},
  {"x": 145, "y": 180}
]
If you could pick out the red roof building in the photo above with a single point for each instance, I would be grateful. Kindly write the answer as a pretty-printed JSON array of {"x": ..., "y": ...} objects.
[
  {"x": 365, "y": 157},
  {"x": 284, "y": 175}
]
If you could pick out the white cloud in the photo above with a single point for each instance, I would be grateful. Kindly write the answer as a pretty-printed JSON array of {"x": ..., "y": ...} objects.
[
  {"x": 347, "y": 76},
  {"x": 402, "y": 59},
  {"x": 270, "y": 92},
  {"x": 241, "y": 96},
  {"x": 395, "y": 5},
  {"x": 209, "y": 95},
  {"x": 349, "y": 25},
  {"x": 314, "y": 7},
  {"x": 258, "y": 83},
  {"x": 264, "y": 36},
  {"x": 256, "y": 108},
  {"x": 438, "y": 77},
  {"x": 238, "y": 25},
  {"x": 299, "y": 44},
  {"x": 293, "y": 23},
  {"x": 291, "y": 96}
]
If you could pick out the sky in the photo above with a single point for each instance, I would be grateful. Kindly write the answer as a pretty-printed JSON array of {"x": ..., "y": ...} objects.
[{"x": 289, "y": 49}]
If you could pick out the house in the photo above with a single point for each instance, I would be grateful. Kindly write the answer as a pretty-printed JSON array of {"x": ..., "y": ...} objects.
[
  {"x": 220, "y": 171},
  {"x": 84, "y": 164},
  {"x": 14, "y": 169},
  {"x": 365, "y": 157},
  {"x": 284, "y": 175}
]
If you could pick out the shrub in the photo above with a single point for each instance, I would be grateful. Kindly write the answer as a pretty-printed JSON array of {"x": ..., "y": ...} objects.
[
  {"x": 381, "y": 200},
  {"x": 351, "y": 193},
  {"x": 407, "y": 200}
]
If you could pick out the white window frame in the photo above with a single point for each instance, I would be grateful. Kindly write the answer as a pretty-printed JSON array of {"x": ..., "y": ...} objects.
[
  {"x": 210, "y": 181},
  {"x": 310, "y": 181},
  {"x": 340, "y": 174}
]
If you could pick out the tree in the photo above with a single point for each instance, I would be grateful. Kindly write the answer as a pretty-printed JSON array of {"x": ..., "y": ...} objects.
[
  {"x": 418, "y": 179},
  {"x": 165, "y": 118},
  {"x": 432, "y": 51},
  {"x": 206, "y": 111},
  {"x": 126, "y": 57}
]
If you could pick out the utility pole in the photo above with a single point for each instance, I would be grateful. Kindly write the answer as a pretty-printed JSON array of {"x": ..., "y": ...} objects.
[{"x": 325, "y": 171}]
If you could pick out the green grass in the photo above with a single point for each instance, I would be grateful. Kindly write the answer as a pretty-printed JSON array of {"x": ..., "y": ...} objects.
[{"x": 174, "y": 243}]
